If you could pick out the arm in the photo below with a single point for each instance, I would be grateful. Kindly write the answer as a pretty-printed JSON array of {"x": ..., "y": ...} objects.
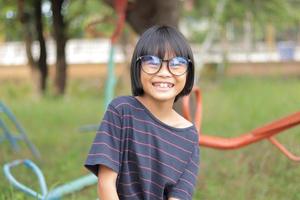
[
  {"x": 107, "y": 183},
  {"x": 106, "y": 147},
  {"x": 172, "y": 198},
  {"x": 104, "y": 157}
]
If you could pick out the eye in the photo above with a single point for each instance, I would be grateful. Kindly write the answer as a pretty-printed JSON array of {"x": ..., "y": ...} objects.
[
  {"x": 178, "y": 61},
  {"x": 150, "y": 60}
]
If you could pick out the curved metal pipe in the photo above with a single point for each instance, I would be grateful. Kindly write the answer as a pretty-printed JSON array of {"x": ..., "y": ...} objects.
[{"x": 267, "y": 131}]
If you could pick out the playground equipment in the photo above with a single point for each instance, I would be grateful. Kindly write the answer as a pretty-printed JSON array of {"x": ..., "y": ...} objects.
[
  {"x": 120, "y": 8},
  {"x": 12, "y": 136},
  {"x": 267, "y": 131},
  {"x": 55, "y": 193}
]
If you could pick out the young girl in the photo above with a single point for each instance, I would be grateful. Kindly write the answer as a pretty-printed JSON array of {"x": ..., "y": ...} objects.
[{"x": 143, "y": 148}]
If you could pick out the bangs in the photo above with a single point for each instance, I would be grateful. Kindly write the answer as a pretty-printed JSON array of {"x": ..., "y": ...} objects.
[{"x": 163, "y": 42}]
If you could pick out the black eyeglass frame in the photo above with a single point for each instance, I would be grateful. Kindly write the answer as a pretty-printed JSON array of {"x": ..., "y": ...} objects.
[{"x": 161, "y": 62}]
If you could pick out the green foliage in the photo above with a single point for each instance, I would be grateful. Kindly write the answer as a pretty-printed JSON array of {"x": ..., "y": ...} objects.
[
  {"x": 275, "y": 11},
  {"x": 230, "y": 107},
  {"x": 80, "y": 13},
  {"x": 283, "y": 15},
  {"x": 9, "y": 28}
]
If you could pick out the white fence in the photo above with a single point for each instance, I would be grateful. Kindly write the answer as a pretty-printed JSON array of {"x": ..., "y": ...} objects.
[
  {"x": 77, "y": 52},
  {"x": 97, "y": 51}
]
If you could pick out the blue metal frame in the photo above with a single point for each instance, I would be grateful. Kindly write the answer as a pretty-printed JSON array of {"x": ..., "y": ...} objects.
[
  {"x": 20, "y": 135},
  {"x": 54, "y": 194}
]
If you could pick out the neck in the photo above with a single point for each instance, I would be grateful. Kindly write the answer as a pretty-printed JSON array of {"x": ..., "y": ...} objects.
[{"x": 160, "y": 109}]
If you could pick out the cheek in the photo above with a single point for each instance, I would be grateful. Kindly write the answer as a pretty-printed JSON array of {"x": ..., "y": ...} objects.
[
  {"x": 180, "y": 84},
  {"x": 182, "y": 81},
  {"x": 144, "y": 79}
]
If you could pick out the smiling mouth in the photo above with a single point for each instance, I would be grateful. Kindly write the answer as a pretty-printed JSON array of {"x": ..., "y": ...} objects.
[{"x": 163, "y": 84}]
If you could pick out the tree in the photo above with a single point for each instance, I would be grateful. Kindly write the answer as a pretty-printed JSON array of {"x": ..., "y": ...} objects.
[
  {"x": 141, "y": 17},
  {"x": 30, "y": 16},
  {"x": 42, "y": 61},
  {"x": 59, "y": 30},
  {"x": 259, "y": 14}
]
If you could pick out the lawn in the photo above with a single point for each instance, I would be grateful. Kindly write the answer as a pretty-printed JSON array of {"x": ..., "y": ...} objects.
[{"x": 231, "y": 106}]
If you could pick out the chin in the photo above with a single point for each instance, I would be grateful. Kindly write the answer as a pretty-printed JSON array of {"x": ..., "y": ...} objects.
[{"x": 163, "y": 97}]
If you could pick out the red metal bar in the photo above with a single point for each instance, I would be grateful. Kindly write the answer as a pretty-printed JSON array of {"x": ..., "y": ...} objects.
[
  {"x": 267, "y": 131},
  {"x": 120, "y": 7}
]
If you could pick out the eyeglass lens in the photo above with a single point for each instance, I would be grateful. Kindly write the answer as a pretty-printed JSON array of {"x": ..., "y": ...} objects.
[{"x": 152, "y": 64}]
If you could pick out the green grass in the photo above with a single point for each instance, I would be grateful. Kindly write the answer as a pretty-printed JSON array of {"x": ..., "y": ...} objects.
[{"x": 231, "y": 107}]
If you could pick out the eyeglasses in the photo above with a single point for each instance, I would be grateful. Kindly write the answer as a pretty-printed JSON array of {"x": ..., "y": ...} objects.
[{"x": 152, "y": 64}]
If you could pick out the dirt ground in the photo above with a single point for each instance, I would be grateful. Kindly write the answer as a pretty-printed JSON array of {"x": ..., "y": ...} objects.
[
  {"x": 264, "y": 69},
  {"x": 95, "y": 71},
  {"x": 79, "y": 71}
]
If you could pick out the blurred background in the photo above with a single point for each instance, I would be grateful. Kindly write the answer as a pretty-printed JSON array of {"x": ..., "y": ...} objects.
[{"x": 62, "y": 60}]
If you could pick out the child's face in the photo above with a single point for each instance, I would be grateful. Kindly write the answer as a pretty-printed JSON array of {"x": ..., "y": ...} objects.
[{"x": 163, "y": 85}]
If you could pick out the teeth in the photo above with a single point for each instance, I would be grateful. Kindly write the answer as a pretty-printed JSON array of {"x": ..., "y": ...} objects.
[{"x": 163, "y": 85}]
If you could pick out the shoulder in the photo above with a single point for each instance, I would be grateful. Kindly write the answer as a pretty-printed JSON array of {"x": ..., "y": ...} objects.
[
  {"x": 181, "y": 121},
  {"x": 184, "y": 123},
  {"x": 124, "y": 103},
  {"x": 121, "y": 100}
]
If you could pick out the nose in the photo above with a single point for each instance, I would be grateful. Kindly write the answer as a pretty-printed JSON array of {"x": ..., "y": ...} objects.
[{"x": 164, "y": 71}]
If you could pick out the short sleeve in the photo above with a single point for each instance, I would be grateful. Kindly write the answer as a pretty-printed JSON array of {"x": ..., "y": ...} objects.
[
  {"x": 185, "y": 186},
  {"x": 106, "y": 147}
]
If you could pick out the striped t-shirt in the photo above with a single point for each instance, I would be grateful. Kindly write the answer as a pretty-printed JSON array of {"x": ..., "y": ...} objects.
[{"x": 153, "y": 160}]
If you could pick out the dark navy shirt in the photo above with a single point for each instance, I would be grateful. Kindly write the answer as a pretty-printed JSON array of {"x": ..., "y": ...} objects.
[{"x": 153, "y": 160}]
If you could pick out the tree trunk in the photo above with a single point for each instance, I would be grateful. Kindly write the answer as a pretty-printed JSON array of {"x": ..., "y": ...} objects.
[
  {"x": 142, "y": 14},
  {"x": 60, "y": 38},
  {"x": 42, "y": 61},
  {"x": 38, "y": 68}
]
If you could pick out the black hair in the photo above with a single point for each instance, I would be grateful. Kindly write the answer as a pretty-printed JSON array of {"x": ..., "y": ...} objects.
[{"x": 158, "y": 40}]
